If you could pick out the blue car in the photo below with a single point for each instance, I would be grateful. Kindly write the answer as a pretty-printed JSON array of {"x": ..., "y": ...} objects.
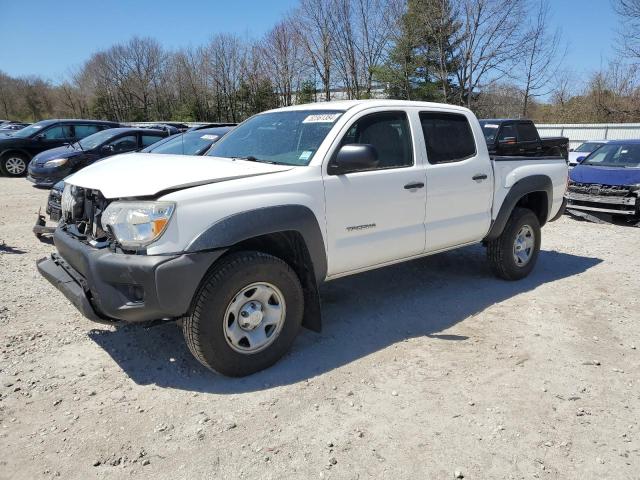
[{"x": 607, "y": 181}]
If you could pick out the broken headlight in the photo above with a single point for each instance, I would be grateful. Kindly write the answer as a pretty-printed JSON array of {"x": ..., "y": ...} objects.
[{"x": 136, "y": 224}]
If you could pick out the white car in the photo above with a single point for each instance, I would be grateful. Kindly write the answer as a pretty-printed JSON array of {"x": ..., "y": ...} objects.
[
  {"x": 584, "y": 150},
  {"x": 235, "y": 243}
]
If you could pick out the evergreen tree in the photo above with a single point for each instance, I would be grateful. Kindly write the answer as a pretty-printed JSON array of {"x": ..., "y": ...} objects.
[{"x": 422, "y": 60}]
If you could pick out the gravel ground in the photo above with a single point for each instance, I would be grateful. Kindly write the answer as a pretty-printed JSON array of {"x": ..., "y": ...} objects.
[{"x": 428, "y": 370}]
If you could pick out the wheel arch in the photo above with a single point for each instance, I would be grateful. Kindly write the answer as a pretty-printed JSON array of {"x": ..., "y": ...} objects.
[
  {"x": 289, "y": 232},
  {"x": 16, "y": 150},
  {"x": 534, "y": 192}
]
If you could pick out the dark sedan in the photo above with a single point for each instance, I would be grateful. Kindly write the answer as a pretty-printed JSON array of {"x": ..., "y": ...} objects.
[
  {"x": 193, "y": 142},
  {"x": 18, "y": 148},
  {"x": 53, "y": 165}
]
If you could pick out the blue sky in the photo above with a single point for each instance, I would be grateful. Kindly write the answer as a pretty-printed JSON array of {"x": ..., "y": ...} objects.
[{"x": 49, "y": 37}]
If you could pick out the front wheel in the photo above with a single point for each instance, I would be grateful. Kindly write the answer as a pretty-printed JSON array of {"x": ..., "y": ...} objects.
[
  {"x": 246, "y": 314},
  {"x": 14, "y": 164},
  {"x": 515, "y": 252}
]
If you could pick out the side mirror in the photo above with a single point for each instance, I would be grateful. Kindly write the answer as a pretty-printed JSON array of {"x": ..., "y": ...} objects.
[
  {"x": 508, "y": 141},
  {"x": 108, "y": 148},
  {"x": 39, "y": 137},
  {"x": 353, "y": 158},
  {"x": 571, "y": 149},
  {"x": 580, "y": 159}
]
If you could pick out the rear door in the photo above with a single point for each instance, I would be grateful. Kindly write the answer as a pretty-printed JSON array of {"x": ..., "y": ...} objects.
[
  {"x": 459, "y": 181},
  {"x": 82, "y": 130},
  {"x": 375, "y": 216},
  {"x": 148, "y": 139}
]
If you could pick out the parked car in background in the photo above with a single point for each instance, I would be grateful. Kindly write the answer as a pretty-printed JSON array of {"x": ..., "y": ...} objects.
[
  {"x": 191, "y": 142},
  {"x": 236, "y": 243},
  {"x": 608, "y": 181},
  {"x": 51, "y": 166},
  {"x": 580, "y": 153},
  {"x": 17, "y": 149},
  {"x": 508, "y": 137},
  {"x": 173, "y": 144},
  {"x": 8, "y": 127}
]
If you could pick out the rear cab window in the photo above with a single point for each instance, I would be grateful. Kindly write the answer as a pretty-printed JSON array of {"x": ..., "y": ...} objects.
[
  {"x": 447, "y": 136},
  {"x": 527, "y": 132}
]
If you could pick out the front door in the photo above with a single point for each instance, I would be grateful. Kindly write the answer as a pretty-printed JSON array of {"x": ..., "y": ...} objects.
[{"x": 376, "y": 216}]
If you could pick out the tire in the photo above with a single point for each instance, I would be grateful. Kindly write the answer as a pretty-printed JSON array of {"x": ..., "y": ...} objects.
[
  {"x": 214, "y": 329},
  {"x": 14, "y": 164},
  {"x": 506, "y": 259}
]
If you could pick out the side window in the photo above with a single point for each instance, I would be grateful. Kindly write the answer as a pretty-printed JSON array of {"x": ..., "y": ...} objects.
[
  {"x": 388, "y": 133},
  {"x": 448, "y": 137},
  {"x": 150, "y": 140},
  {"x": 507, "y": 131},
  {"x": 527, "y": 132},
  {"x": 86, "y": 130},
  {"x": 59, "y": 132},
  {"x": 124, "y": 144}
]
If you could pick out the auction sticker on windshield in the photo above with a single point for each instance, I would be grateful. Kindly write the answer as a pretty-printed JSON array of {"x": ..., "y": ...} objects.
[{"x": 322, "y": 118}]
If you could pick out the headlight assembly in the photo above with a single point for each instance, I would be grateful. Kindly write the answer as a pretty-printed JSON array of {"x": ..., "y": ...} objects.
[
  {"x": 56, "y": 163},
  {"x": 136, "y": 224}
]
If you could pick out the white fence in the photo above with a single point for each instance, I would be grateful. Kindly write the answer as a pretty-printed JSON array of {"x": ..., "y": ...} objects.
[{"x": 582, "y": 132}]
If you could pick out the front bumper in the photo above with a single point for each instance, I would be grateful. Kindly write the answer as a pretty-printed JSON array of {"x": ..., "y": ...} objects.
[
  {"x": 614, "y": 205},
  {"x": 106, "y": 286},
  {"x": 46, "y": 177}
]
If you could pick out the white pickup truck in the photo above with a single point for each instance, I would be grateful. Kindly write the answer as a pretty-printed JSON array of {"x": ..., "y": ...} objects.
[{"x": 234, "y": 244}]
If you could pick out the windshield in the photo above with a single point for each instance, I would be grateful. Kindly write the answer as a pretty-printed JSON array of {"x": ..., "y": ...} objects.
[
  {"x": 588, "y": 147},
  {"x": 92, "y": 141},
  {"x": 30, "y": 130},
  {"x": 287, "y": 138},
  {"x": 192, "y": 143},
  {"x": 622, "y": 156},
  {"x": 490, "y": 131}
]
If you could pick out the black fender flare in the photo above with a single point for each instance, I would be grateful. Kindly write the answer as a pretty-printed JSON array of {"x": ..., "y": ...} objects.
[
  {"x": 262, "y": 221},
  {"x": 533, "y": 183},
  {"x": 250, "y": 224}
]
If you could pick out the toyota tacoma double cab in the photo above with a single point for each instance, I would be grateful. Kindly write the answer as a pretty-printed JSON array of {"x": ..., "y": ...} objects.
[{"x": 234, "y": 244}]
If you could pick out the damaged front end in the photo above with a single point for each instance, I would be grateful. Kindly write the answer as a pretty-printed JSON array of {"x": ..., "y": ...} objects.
[
  {"x": 81, "y": 214},
  {"x": 598, "y": 199}
]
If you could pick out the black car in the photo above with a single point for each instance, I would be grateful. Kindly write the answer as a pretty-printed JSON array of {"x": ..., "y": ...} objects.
[
  {"x": 509, "y": 137},
  {"x": 18, "y": 148},
  {"x": 53, "y": 165},
  {"x": 192, "y": 142}
]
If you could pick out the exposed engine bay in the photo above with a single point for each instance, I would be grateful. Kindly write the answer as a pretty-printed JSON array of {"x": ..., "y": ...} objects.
[{"x": 82, "y": 213}]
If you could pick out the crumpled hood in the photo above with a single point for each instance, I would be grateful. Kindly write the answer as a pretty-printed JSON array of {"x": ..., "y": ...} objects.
[
  {"x": 605, "y": 175},
  {"x": 59, "y": 152},
  {"x": 146, "y": 174}
]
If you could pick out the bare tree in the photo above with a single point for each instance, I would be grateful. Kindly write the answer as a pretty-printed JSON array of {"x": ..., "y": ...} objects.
[
  {"x": 314, "y": 33},
  {"x": 629, "y": 13},
  {"x": 282, "y": 59},
  {"x": 540, "y": 57},
  {"x": 491, "y": 43}
]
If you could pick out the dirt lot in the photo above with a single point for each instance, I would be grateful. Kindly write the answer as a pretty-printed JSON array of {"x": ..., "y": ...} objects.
[{"x": 422, "y": 370}]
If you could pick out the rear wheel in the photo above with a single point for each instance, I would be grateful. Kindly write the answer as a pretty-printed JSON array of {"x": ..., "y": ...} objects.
[
  {"x": 14, "y": 164},
  {"x": 515, "y": 252},
  {"x": 246, "y": 314}
]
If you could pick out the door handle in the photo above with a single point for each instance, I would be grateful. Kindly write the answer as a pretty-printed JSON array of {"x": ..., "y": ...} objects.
[
  {"x": 480, "y": 176},
  {"x": 411, "y": 186}
]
